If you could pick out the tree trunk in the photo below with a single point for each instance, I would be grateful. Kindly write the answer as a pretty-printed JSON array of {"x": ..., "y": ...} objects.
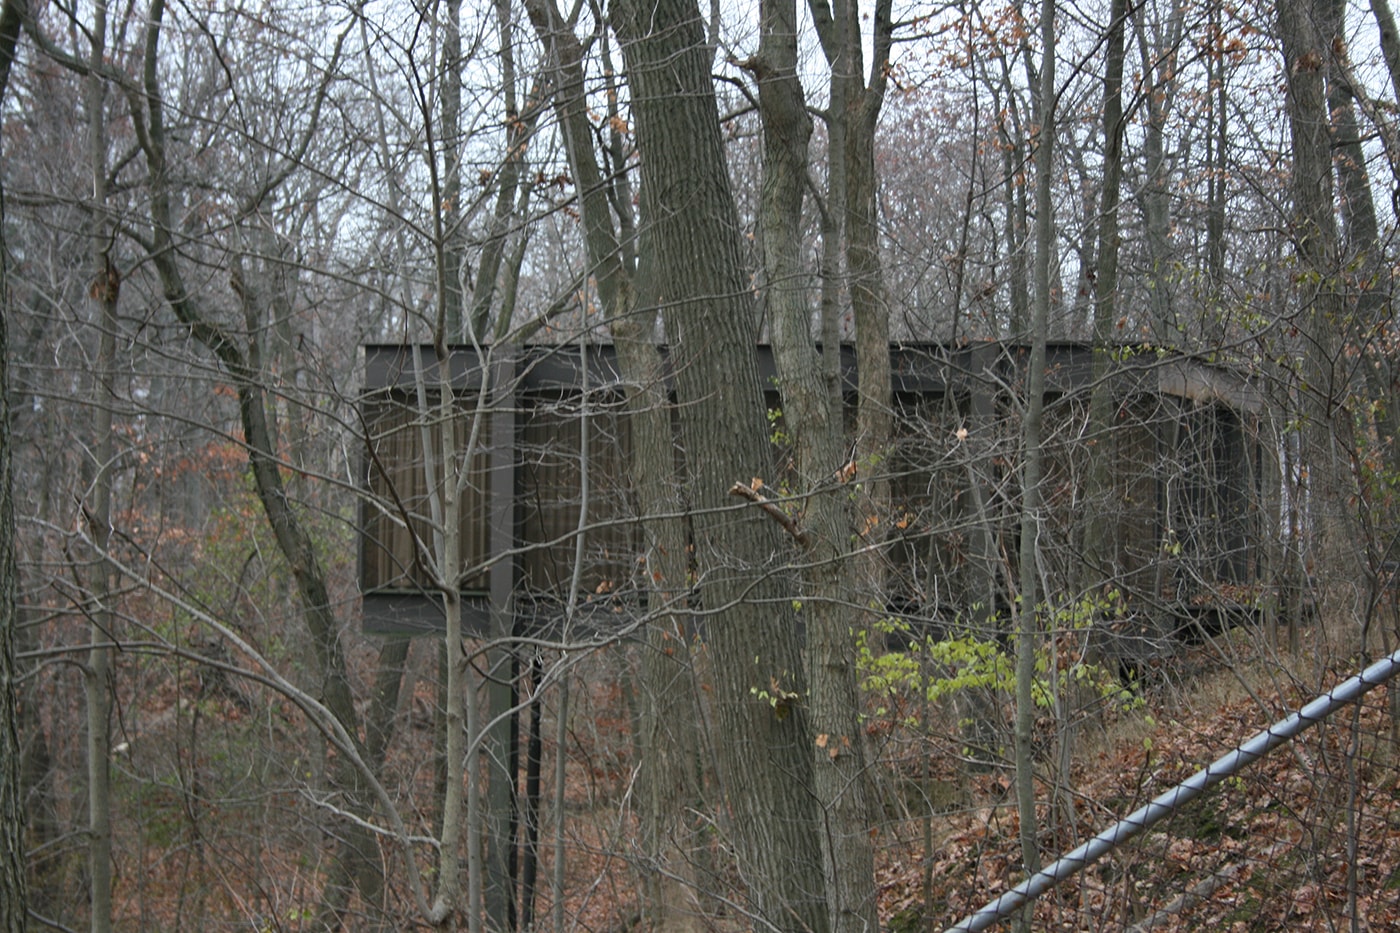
[
  {"x": 1028, "y": 625},
  {"x": 1217, "y": 147},
  {"x": 519, "y": 128},
  {"x": 1306, "y": 52},
  {"x": 450, "y": 228},
  {"x": 359, "y": 850},
  {"x": 1390, "y": 41},
  {"x": 669, "y": 776},
  {"x": 1100, "y": 551},
  {"x": 668, "y": 779},
  {"x": 13, "y": 894},
  {"x": 1369, "y": 278},
  {"x": 97, "y": 676},
  {"x": 765, "y": 761},
  {"x": 1155, "y": 195},
  {"x": 813, "y": 415},
  {"x": 14, "y": 900},
  {"x": 1015, "y": 204},
  {"x": 853, "y": 115}
]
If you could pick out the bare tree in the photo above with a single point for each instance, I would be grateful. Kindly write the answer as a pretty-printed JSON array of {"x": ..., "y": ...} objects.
[
  {"x": 812, "y": 406},
  {"x": 852, "y": 116},
  {"x": 243, "y": 365},
  {"x": 14, "y": 900},
  {"x": 1028, "y": 632},
  {"x": 1306, "y": 51},
  {"x": 754, "y": 661},
  {"x": 668, "y": 771}
]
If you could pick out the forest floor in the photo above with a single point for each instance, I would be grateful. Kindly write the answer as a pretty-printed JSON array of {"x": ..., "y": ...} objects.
[{"x": 1306, "y": 838}]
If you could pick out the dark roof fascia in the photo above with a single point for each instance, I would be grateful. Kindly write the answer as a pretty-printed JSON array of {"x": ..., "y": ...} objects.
[{"x": 917, "y": 368}]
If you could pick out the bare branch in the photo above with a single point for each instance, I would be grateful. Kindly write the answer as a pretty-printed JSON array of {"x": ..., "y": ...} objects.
[{"x": 775, "y": 512}]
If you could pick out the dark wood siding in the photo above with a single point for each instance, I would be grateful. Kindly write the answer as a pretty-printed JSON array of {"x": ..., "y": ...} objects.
[
  {"x": 397, "y": 515},
  {"x": 1183, "y": 449},
  {"x": 549, "y": 478}
]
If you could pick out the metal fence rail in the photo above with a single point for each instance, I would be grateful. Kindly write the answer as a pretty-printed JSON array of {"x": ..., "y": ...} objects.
[{"x": 1193, "y": 787}]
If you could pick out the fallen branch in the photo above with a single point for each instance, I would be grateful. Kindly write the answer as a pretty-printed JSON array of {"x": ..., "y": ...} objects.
[{"x": 1204, "y": 889}]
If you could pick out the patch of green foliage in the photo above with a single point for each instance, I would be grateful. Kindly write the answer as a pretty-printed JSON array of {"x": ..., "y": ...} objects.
[{"x": 940, "y": 667}]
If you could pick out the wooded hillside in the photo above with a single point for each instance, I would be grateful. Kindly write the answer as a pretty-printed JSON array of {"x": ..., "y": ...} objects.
[{"x": 644, "y": 464}]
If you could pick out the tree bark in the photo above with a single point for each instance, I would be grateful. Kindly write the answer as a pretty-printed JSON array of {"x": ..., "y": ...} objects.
[
  {"x": 1100, "y": 552},
  {"x": 449, "y": 218},
  {"x": 1015, "y": 203},
  {"x": 1390, "y": 41},
  {"x": 813, "y": 414},
  {"x": 1370, "y": 282},
  {"x": 669, "y": 773},
  {"x": 13, "y": 885},
  {"x": 519, "y": 128},
  {"x": 97, "y": 675},
  {"x": 1217, "y": 147},
  {"x": 1306, "y": 53},
  {"x": 765, "y": 762},
  {"x": 14, "y": 899},
  {"x": 1155, "y": 194},
  {"x": 1028, "y": 624},
  {"x": 852, "y": 116}
]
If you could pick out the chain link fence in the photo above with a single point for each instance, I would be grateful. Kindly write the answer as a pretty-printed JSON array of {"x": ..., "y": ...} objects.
[{"x": 1307, "y": 838}]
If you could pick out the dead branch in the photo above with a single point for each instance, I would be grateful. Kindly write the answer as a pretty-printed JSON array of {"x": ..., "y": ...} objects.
[{"x": 789, "y": 524}]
